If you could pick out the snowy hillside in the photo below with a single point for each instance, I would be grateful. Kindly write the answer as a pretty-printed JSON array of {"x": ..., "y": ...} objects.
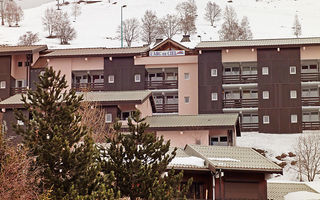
[{"x": 99, "y": 21}]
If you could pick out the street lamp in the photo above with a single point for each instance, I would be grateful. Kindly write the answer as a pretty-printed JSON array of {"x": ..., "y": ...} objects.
[{"x": 121, "y": 25}]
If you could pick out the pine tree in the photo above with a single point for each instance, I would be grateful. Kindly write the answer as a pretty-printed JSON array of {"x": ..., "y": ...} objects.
[
  {"x": 139, "y": 161},
  {"x": 62, "y": 150}
]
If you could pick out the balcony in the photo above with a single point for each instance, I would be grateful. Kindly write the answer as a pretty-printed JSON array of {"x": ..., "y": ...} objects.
[
  {"x": 79, "y": 87},
  {"x": 311, "y": 125},
  {"x": 164, "y": 84},
  {"x": 310, "y": 77},
  {"x": 240, "y": 79},
  {"x": 18, "y": 90},
  {"x": 249, "y": 126},
  {"x": 240, "y": 103},
  {"x": 310, "y": 101},
  {"x": 166, "y": 108}
]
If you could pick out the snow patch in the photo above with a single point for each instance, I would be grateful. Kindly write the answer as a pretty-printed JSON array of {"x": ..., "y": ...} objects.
[
  {"x": 224, "y": 159},
  {"x": 302, "y": 195},
  {"x": 192, "y": 160}
]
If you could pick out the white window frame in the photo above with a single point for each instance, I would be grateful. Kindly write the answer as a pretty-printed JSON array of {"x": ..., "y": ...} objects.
[
  {"x": 265, "y": 95},
  {"x": 111, "y": 79},
  {"x": 293, "y": 70},
  {"x": 137, "y": 78},
  {"x": 186, "y": 99},
  {"x": 294, "y": 119},
  {"x": 186, "y": 76},
  {"x": 20, "y": 123},
  {"x": 3, "y": 84},
  {"x": 266, "y": 119},
  {"x": 293, "y": 94},
  {"x": 214, "y": 72},
  {"x": 214, "y": 96},
  {"x": 265, "y": 70},
  {"x": 108, "y": 118}
]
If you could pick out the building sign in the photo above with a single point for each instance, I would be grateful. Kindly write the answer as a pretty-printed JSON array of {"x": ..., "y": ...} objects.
[{"x": 167, "y": 53}]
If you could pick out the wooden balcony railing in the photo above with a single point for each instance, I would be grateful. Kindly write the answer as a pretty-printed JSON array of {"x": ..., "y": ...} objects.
[
  {"x": 310, "y": 101},
  {"x": 249, "y": 126},
  {"x": 240, "y": 103},
  {"x": 166, "y": 108},
  {"x": 310, "y": 76},
  {"x": 311, "y": 125},
  {"x": 18, "y": 90},
  {"x": 88, "y": 86},
  {"x": 165, "y": 84},
  {"x": 240, "y": 79}
]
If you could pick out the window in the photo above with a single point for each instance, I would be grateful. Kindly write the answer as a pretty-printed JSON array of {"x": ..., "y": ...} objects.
[
  {"x": 265, "y": 70},
  {"x": 186, "y": 76},
  {"x": 2, "y": 84},
  {"x": 312, "y": 68},
  {"x": 310, "y": 92},
  {"x": 19, "y": 64},
  {"x": 20, "y": 123},
  {"x": 293, "y": 70},
  {"x": 265, "y": 94},
  {"x": 266, "y": 119},
  {"x": 137, "y": 78},
  {"x": 249, "y": 70},
  {"x": 310, "y": 117},
  {"x": 219, "y": 140},
  {"x": 293, "y": 94},
  {"x": 108, "y": 118},
  {"x": 294, "y": 119},
  {"x": 214, "y": 96},
  {"x": 111, "y": 79},
  {"x": 186, "y": 99},
  {"x": 214, "y": 72},
  {"x": 231, "y": 71}
]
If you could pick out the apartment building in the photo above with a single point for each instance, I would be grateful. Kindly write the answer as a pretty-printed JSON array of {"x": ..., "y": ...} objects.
[{"x": 273, "y": 84}]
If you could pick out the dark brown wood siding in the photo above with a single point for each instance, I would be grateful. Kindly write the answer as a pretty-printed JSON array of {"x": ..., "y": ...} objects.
[
  {"x": 34, "y": 77},
  {"x": 208, "y": 60},
  {"x": 9, "y": 120},
  {"x": 5, "y": 75},
  {"x": 123, "y": 69},
  {"x": 279, "y": 82}
]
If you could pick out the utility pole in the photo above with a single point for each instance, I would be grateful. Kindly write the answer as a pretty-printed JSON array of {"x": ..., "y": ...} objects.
[{"x": 121, "y": 25}]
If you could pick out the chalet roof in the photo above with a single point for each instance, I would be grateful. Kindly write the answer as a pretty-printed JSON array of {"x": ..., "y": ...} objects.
[
  {"x": 202, "y": 120},
  {"x": 258, "y": 43},
  {"x": 233, "y": 158},
  {"x": 168, "y": 40},
  {"x": 75, "y": 52},
  {"x": 9, "y": 50},
  {"x": 277, "y": 190}
]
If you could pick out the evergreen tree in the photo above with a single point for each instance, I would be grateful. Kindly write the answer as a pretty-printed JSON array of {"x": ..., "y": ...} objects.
[
  {"x": 139, "y": 161},
  {"x": 62, "y": 150}
]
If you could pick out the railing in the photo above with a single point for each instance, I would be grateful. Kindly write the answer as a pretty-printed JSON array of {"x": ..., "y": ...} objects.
[
  {"x": 18, "y": 90},
  {"x": 310, "y": 101},
  {"x": 166, "y": 108},
  {"x": 310, "y": 76},
  {"x": 88, "y": 86},
  {"x": 240, "y": 103},
  {"x": 240, "y": 79},
  {"x": 249, "y": 126},
  {"x": 311, "y": 125},
  {"x": 165, "y": 84}
]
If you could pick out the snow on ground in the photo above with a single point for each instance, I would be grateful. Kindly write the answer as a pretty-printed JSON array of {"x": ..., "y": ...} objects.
[
  {"x": 302, "y": 195},
  {"x": 99, "y": 21}
]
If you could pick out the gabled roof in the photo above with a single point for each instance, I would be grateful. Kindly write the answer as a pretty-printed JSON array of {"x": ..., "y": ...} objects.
[
  {"x": 192, "y": 121},
  {"x": 77, "y": 52},
  {"x": 9, "y": 50},
  {"x": 173, "y": 43},
  {"x": 277, "y": 190},
  {"x": 40, "y": 63},
  {"x": 259, "y": 43}
]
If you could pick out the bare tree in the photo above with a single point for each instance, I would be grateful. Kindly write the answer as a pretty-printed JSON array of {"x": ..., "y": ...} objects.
[
  {"x": 10, "y": 10},
  {"x": 130, "y": 31},
  {"x": 18, "y": 14},
  {"x": 49, "y": 19},
  {"x": 168, "y": 26},
  {"x": 63, "y": 28},
  {"x": 245, "y": 31},
  {"x": 76, "y": 10},
  {"x": 149, "y": 27},
  {"x": 188, "y": 13},
  {"x": 230, "y": 27},
  {"x": 308, "y": 155},
  {"x": 297, "y": 26},
  {"x": 3, "y": 5},
  {"x": 213, "y": 12},
  {"x": 28, "y": 38}
]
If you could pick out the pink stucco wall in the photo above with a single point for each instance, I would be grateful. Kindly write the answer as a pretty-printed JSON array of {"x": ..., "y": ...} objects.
[
  {"x": 239, "y": 55},
  {"x": 165, "y": 60},
  {"x": 145, "y": 108},
  {"x": 19, "y": 73},
  {"x": 310, "y": 52},
  {"x": 181, "y": 138}
]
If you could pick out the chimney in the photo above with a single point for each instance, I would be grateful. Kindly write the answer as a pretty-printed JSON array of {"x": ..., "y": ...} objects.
[
  {"x": 158, "y": 40},
  {"x": 185, "y": 38}
]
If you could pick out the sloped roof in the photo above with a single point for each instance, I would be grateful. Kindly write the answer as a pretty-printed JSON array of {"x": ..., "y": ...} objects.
[
  {"x": 41, "y": 63},
  {"x": 182, "y": 160},
  {"x": 277, "y": 190},
  {"x": 95, "y": 52},
  {"x": 201, "y": 120},
  {"x": 168, "y": 40},
  {"x": 233, "y": 158},
  {"x": 7, "y": 50},
  {"x": 258, "y": 43},
  {"x": 13, "y": 100}
]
